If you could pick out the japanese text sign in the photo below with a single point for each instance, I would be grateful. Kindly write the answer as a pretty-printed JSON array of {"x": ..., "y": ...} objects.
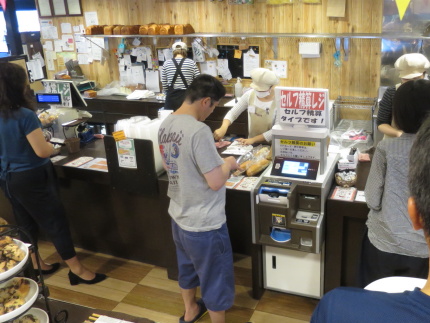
[{"x": 303, "y": 106}]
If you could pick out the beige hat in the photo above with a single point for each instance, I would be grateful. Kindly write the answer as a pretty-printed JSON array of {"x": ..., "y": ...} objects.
[
  {"x": 411, "y": 65},
  {"x": 179, "y": 45},
  {"x": 263, "y": 79}
]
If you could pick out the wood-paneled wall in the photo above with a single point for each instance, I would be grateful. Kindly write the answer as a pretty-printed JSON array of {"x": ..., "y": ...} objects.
[{"x": 358, "y": 76}]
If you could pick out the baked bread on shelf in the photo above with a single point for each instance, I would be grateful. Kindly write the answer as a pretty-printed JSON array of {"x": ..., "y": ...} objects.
[
  {"x": 108, "y": 30},
  {"x": 94, "y": 30},
  {"x": 130, "y": 30},
  {"x": 167, "y": 30},
  {"x": 143, "y": 29},
  {"x": 117, "y": 30},
  {"x": 184, "y": 29},
  {"x": 154, "y": 29}
]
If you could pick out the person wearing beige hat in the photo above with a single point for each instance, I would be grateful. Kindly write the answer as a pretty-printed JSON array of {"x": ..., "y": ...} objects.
[
  {"x": 260, "y": 103},
  {"x": 410, "y": 67},
  {"x": 176, "y": 75}
]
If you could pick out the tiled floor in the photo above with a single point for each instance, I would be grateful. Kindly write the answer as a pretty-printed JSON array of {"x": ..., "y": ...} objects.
[{"x": 145, "y": 291}]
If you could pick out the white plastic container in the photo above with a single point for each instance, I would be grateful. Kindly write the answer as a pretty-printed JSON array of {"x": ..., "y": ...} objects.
[{"x": 238, "y": 88}]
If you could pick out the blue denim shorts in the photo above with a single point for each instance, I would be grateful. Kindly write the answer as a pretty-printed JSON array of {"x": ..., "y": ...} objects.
[{"x": 205, "y": 259}]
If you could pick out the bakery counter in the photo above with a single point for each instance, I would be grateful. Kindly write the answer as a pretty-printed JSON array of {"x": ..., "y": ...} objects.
[{"x": 108, "y": 110}]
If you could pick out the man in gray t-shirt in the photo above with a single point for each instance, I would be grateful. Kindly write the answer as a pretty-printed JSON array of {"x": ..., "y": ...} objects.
[{"x": 197, "y": 175}]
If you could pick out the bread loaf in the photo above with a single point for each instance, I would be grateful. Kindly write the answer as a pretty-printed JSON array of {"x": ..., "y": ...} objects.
[
  {"x": 143, "y": 30},
  {"x": 154, "y": 29},
  {"x": 184, "y": 29},
  {"x": 94, "y": 30},
  {"x": 167, "y": 30},
  {"x": 117, "y": 30},
  {"x": 129, "y": 30},
  {"x": 257, "y": 167},
  {"x": 108, "y": 30}
]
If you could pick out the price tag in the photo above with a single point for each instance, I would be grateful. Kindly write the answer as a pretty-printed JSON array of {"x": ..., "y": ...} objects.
[
  {"x": 119, "y": 135},
  {"x": 237, "y": 54}
]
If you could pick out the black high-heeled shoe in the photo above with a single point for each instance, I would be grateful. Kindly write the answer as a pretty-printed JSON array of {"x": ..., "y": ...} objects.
[
  {"x": 75, "y": 279},
  {"x": 55, "y": 267}
]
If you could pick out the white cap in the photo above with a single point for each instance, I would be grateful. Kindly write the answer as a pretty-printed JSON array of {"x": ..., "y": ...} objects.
[
  {"x": 263, "y": 79},
  {"x": 179, "y": 45},
  {"x": 411, "y": 65}
]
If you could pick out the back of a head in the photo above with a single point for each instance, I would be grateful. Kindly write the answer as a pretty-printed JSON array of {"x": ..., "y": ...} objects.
[
  {"x": 411, "y": 105},
  {"x": 179, "y": 48},
  {"x": 411, "y": 65},
  {"x": 204, "y": 86},
  {"x": 13, "y": 85},
  {"x": 419, "y": 173}
]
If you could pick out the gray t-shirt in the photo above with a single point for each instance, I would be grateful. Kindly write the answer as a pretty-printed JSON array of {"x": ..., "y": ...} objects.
[{"x": 188, "y": 150}]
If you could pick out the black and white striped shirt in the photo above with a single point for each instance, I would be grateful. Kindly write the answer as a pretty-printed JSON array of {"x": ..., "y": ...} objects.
[
  {"x": 189, "y": 69},
  {"x": 385, "y": 112}
]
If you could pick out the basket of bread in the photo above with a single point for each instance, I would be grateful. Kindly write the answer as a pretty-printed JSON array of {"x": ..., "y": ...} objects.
[
  {"x": 17, "y": 295},
  {"x": 47, "y": 118},
  {"x": 255, "y": 161}
]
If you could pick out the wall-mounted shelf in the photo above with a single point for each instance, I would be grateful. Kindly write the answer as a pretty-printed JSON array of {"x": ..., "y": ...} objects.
[{"x": 280, "y": 35}]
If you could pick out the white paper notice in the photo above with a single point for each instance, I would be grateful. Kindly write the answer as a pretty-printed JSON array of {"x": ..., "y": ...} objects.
[
  {"x": 152, "y": 81},
  {"x": 38, "y": 56},
  {"x": 83, "y": 59},
  {"x": 82, "y": 47},
  {"x": 223, "y": 70},
  {"x": 48, "y": 45},
  {"x": 91, "y": 18},
  {"x": 138, "y": 75},
  {"x": 96, "y": 48},
  {"x": 50, "y": 56},
  {"x": 250, "y": 62},
  {"x": 66, "y": 28},
  {"x": 35, "y": 70},
  {"x": 68, "y": 43},
  {"x": 279, "y": 67},
  {"x": 208, "y": 67},
  {"x": 49, "y": 32},
  {"x": 58, "y": 46},
  {"x": 76, "y": 29},
  {"x": 44, "y": 8},
  {"x": 168, "y": 53}
]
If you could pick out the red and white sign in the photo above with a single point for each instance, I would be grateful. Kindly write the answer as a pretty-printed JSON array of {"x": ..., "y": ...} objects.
[{"x": 303, "y": 106}]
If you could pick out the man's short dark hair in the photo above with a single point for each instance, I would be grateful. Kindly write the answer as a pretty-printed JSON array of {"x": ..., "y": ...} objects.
[
  {"x": 411, "y": 105},
  {"x": 204, "y": 86},
  {"x": 419, "y": 173}
]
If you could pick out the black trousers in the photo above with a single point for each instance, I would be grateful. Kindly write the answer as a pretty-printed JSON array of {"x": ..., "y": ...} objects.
[
  {"x": 34, "y": 195},
  {"x": 174, "y": 99},
  {"x": 376, "y": 264}
]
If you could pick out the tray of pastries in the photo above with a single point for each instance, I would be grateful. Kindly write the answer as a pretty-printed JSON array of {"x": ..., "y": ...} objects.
[
  {"x": 17, "y": 295},
  {"x": 13, "y": 256},
  {"x": 33, "y": 315}
]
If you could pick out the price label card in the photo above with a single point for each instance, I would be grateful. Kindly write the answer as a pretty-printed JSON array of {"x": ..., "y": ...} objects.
[{"x": 119, "y": 135}]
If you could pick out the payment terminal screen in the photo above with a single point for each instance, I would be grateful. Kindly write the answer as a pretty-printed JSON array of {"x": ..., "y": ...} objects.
[{"x": 295, "y": 168}]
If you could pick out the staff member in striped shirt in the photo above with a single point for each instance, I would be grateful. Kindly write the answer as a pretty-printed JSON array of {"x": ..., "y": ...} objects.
[
  {"x": 391, "y": 246},
  {"x": 176, "y": 75},
  {"x": 410, "y": 67}
]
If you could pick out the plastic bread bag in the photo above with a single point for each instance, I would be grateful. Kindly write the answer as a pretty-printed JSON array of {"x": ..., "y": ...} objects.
[{"x": 254, "y": 161}]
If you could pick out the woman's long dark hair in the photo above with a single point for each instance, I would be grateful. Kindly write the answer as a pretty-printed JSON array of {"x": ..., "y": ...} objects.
[{"x": 14, "y": 89}]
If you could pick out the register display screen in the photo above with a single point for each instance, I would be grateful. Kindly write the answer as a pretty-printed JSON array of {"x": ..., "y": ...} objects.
[
  {"x": 48, "y": 98},
  {"x": 295, "y": 168}
]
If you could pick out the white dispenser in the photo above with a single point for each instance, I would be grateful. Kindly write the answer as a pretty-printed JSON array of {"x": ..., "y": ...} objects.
[{"x": 238, "y": 88}]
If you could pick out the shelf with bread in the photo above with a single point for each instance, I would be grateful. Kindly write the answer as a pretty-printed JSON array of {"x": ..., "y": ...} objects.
[{"x": 18, "y": 293}]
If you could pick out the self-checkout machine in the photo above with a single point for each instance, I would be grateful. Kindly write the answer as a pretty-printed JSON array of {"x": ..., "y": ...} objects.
[{"x": 289, "y": 200}]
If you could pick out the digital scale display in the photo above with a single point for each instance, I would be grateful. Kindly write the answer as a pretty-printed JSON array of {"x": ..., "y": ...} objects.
[{"x": 295, "y": 168}]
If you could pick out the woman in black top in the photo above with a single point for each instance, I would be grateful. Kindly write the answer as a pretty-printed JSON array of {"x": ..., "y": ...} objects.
[{"x": 411, "y": 67}]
